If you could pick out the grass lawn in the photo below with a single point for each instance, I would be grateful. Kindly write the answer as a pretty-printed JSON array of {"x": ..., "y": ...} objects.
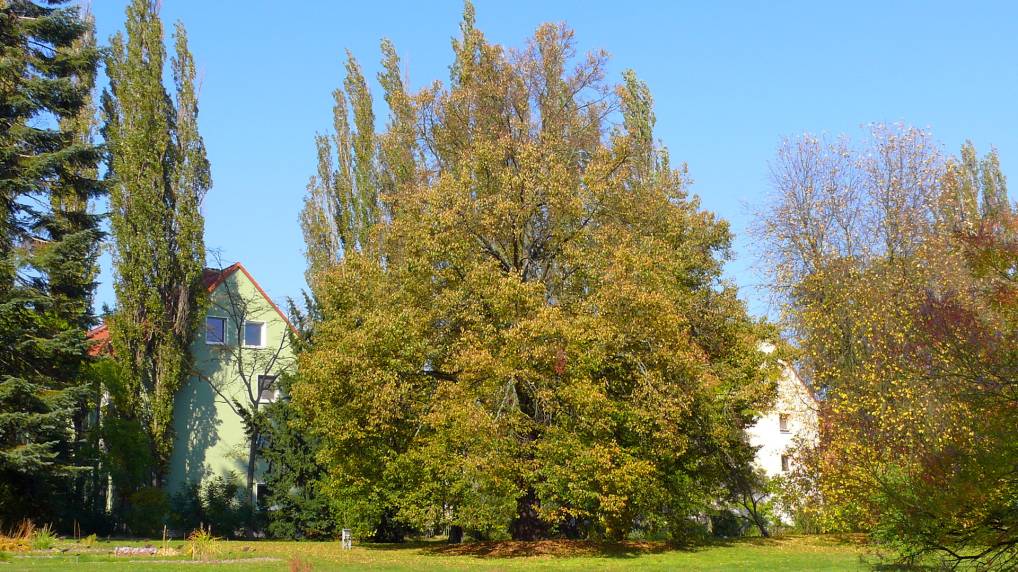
[{"x": 787, "y": 553}]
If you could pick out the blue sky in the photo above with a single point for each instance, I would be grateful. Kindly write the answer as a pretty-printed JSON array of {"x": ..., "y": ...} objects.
[{"x": 729, "y": 79}]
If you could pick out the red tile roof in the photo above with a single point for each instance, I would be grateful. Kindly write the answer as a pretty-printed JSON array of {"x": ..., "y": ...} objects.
[
  {"x": 100, "y": 338},
  {"x": 211, "y": 278}
]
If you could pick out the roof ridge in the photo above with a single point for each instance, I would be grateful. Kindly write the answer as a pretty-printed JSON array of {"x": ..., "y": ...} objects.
[{"x": 212, "y": 278}]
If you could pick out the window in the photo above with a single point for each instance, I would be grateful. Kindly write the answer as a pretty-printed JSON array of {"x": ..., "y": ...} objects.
[
  {"x": 266, "y": 388},
  {"x": 254, "y": 334},
  {"x": 215, "y": 330},
  {"x": 785, "y": 463},
  {"x": 783, "y": 422}
]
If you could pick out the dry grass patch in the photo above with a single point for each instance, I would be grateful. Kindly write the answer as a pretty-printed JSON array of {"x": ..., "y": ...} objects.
[{"x": 19, "y": 538}]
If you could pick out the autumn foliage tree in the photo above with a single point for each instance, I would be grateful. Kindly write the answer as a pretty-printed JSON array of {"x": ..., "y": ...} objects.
[
  {"x": 896, "y": 266},
  {"x": 523, "y": 326}
]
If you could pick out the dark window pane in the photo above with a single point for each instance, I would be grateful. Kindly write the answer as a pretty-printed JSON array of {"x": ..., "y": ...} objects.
[
  {"x": 215, "y": 330},
  {"x": 253, "y": 333}
]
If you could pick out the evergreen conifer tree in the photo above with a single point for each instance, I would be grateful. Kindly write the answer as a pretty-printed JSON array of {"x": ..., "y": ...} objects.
[
  {"x": 48, "y": 247},
  {"x": 295, "y": 477}
]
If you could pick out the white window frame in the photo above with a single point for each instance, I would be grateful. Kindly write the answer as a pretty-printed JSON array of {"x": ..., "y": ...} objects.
[
  {"x": 225, "y": 331},
  {"x": 244, "y": 334},
  {"x": 275, "y": 391},
  {"x": 786, "y": 463},
  {"x": 786, "y": 426}
]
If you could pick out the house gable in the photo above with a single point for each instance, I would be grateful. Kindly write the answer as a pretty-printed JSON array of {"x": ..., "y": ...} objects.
[
  {"x": 228, "y": 368},
  {"x": 209, "y": 434},
  {"x": 214, "y": 279},
  {"x": 793, "y": 418}
]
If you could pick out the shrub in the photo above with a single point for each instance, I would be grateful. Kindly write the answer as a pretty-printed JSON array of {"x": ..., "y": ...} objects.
[
  {"x": 221, "y": 504},
  {"x": 43, "y": 538},
  {"x": 89, "y": 541},
  {"x": 186, "y": 511},
  {"x": 147, "y": 512},
  {"x": 216, "y": 504},
  {"x": 727, "y": 524},
  {"x": 202, "y": 545},
  {"x": 688, "y": 531}
]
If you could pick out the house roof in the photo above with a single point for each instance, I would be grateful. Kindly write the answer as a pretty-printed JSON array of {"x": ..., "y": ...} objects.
[
  {"x": 211, "y": 278},
  {"x": 795, "y": 373},
  {"x": 768, "y": 347},
  {"x": 99, "y": 336}
]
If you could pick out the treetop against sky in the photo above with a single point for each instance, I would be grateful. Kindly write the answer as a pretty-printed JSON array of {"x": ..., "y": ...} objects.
[{"x": 728, "y": 80}]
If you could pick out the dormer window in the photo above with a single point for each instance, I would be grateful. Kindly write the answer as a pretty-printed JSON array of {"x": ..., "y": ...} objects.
[
  {"x": 783, "y": 422},
  {"x": 254, "y": 334},
  {"x": 215, "y": 331}
]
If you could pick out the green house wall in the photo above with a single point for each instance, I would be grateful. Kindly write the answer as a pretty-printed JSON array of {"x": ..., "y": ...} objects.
[{"x": 209, "y": 435}]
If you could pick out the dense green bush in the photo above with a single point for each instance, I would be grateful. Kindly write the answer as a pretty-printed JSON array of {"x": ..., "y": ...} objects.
[
  {"x": 217, "y": 504},
  {"x": 727, "y": 524},
  {"x": 147, "y": 512}
]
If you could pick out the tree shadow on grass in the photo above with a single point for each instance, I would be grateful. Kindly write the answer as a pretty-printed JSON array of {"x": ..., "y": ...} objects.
[
  {"x": 423, "y": 545},
  {"x": 561, "y": 548},
  {"x": 887, "y": 563},
  {"x": 551, "y": 548},
  {"x": 830, "y": 539}
]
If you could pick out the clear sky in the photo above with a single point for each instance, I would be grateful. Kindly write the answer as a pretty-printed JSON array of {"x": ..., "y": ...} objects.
[{"x": 729, "y": 79}]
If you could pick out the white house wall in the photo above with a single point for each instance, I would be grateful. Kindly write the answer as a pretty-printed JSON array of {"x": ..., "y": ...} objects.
[{"x": 797, "y": 402}]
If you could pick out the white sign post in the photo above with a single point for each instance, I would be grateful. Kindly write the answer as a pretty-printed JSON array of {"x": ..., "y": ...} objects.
[{"x": 347, "y": 539}]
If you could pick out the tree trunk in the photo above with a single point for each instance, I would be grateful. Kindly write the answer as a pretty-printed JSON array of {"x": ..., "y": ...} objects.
[
  {"x": 455, "y": 534},
  {"x": 758, "y": 520},
  {"x": 99, "y": 490},
  {"x": 528, "y": 524},
  {"x": 251, "y": 458},
  {"x": 760, "y": 524},
  {"x": 158, "y": 468}
]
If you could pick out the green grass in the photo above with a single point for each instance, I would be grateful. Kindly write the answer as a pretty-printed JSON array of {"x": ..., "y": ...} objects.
[{"x": 784, "y": 554}]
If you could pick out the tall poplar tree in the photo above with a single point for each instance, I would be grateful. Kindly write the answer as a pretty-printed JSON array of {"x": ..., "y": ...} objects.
[
  {"x": 48, "y": 245},
  {"x": 158, "y": 175},
  {"x": 343, "y": 197}
]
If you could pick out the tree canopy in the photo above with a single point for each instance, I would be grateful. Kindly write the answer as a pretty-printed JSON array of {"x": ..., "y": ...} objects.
[
  {"x": 896, "y": 266},
  {"x": 523, "y": 328}
]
